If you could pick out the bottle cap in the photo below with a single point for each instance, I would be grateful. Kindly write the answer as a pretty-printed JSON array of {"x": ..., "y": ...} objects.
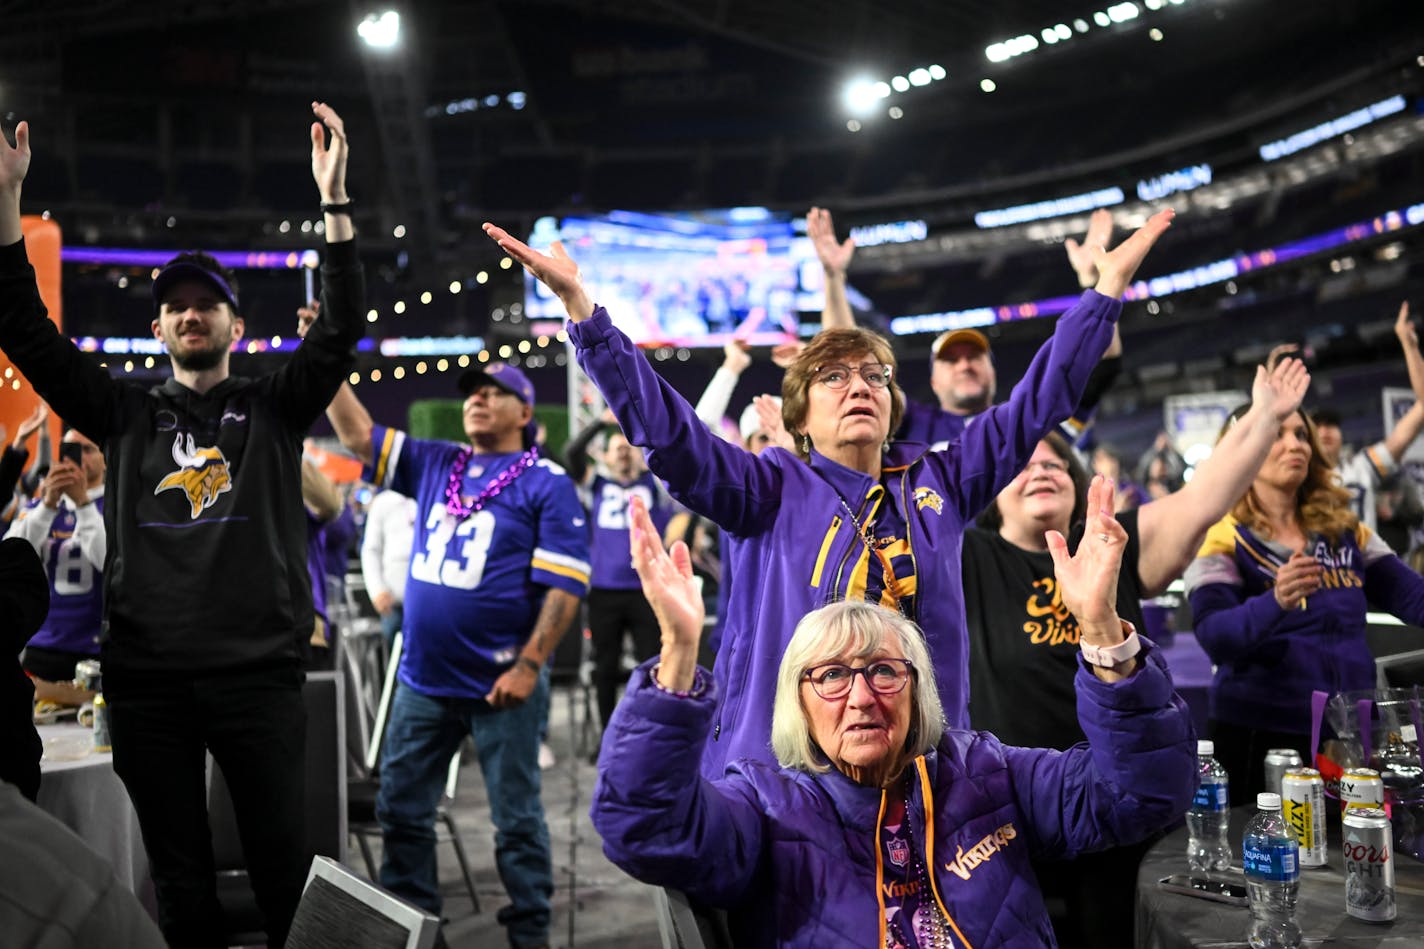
[
  {"x": 1268, "y": 801},
  {"x": 1206, "y": 746}
]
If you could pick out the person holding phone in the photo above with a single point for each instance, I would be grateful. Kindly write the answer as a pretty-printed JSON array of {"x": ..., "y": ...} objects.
[{"x": 65, "y": 526}]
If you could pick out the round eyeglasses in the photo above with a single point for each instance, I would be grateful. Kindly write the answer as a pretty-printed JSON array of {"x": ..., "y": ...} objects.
[
  {"x": 833, "y": 680},
  {"x": 837, "y": 375}
]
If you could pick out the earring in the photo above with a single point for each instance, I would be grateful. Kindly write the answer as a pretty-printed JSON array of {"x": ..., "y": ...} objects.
[{"x": 806, "y": 444}]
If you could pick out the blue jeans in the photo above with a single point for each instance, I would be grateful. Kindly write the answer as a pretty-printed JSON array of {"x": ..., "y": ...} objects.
[{"x": 422, "y": 736}]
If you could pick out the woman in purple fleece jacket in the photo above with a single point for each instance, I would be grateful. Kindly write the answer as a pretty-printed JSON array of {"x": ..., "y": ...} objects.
[
  {"x": 848, "y": 516},
  {"x": 882, "y": 827}
]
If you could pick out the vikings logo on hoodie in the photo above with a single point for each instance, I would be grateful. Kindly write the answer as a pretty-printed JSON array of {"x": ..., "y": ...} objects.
[{"x": 202, "y": 474}]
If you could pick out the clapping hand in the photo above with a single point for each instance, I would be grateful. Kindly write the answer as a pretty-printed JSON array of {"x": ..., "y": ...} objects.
[{"x": 31, "y": 424}]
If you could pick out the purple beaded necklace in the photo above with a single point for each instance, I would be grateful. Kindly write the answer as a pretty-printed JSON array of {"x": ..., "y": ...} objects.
[{"x": 456, "y": 507}]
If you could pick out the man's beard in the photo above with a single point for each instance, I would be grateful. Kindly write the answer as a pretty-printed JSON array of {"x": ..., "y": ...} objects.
[{"x": 198, "y": 360}]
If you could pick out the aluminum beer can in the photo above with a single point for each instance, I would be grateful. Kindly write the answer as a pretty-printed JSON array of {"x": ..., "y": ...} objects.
[
  {"x": 1303, "y": 806},
  {"x": 102, "y": 741},
  {"x": 1369, "y": 865},
  {"x": 87, "y": 674},
  {"x": 1278, "y": 761},
  {"x": 1360, "y": 788}
]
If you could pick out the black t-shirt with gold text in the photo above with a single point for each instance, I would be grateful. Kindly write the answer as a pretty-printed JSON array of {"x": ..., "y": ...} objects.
[{"x": 1023, "y": 642}]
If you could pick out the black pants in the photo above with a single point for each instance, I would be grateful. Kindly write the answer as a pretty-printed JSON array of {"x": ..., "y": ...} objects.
[
  {"x": 611, "y": 613},
  {"x": 1092, "y": 900},
  {"x": 254, "y": 723},
  {"x": 1242, "y": 752}
]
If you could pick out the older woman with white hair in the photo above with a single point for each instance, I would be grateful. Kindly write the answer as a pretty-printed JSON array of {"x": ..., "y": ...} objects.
[{"x": 882, "y": 827}]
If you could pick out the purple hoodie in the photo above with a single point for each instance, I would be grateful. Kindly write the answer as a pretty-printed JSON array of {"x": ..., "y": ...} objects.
[
  {"x": 793, "y": 548},
  {"x": 795, "y": 855}
]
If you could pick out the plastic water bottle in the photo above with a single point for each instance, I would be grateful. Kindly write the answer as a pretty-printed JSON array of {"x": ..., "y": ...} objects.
[
  {"x": 1208, "y": 821},
  {"x": 1270, "y": 854}
]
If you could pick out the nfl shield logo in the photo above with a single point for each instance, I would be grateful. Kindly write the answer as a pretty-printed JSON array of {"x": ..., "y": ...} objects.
[{"x": 899, "y": 851}]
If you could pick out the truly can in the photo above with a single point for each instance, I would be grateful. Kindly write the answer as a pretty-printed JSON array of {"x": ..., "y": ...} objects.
[
  {"x": 1303, "y": 807},
  {"x": 1360, "y": 788},
  {"x": 102, "y": 741},
  {"x": 87, "y": 674},
  {"x": 1278, "y": 761},
  {"x": 1369, "y": 865}
]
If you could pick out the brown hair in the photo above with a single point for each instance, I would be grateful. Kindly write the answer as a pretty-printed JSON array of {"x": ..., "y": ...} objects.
[
  {"x": 1322, "y": 506},
  {"x": 991, "y": 518},
  {"x": 826, "y": 347}
]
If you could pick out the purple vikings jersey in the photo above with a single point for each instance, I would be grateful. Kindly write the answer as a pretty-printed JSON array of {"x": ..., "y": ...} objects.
[
  {"x": 608, "y": 511},
  {"x": 76, "y": 583},
  {"x": 476, "y": 583}
]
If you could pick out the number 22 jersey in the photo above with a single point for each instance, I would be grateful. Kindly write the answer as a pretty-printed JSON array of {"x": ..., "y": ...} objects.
[{"x": 476, "y": 583}]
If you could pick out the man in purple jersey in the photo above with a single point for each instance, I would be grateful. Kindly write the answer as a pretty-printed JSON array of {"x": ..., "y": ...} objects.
[
  {"x": 616, "y": 606},
  {"x": 499, "y": 564},
  {"x": 65, "y": 525}
]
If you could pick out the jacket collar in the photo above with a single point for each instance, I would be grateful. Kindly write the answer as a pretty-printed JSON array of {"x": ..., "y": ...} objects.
[
  {"x": 856, "y": 485},
  {"x": 859, "y": 806}
]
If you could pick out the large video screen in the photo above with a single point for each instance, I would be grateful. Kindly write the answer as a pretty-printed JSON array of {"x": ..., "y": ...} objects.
[{"x": 689, "y": 278}]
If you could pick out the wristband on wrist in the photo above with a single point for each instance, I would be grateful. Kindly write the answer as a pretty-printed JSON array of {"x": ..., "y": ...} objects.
[
  {"x": 699, "y": 684},
  {"x": 1109, "y": 656},
  {"x": 529, "y": 664},
  {"x": 342, "y": 208}
]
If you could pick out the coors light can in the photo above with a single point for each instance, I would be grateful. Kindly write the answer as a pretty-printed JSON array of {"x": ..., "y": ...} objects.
[
  {"x": 1303, "y": 807},
  {"x": 1369, "y": 865},
  {"x": 1278, "y": 761}
]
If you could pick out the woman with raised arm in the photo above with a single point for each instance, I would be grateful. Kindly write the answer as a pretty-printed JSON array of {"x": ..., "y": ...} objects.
[
  {"x": 880, "y": 826},
  {"x": 1023, "y": 639},
  {"x": 1279, "y": 592},
  {"x": 848, "y": 515}
]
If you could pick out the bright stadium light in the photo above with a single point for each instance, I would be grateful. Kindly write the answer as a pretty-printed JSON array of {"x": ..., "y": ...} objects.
[
  {"x": 380, "y": 31},
  {"x": 860, "y": 96}
]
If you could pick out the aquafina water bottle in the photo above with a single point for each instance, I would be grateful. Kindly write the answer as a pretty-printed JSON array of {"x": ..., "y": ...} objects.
[
  {"x": 1270, "y": 854},
  {"x": 1208, "y": 823}
]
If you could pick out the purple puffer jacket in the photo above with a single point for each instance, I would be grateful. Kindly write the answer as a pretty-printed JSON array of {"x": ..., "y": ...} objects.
[
  {"x": 793, "y": 546},
  {"x": 793, "y": 855}
]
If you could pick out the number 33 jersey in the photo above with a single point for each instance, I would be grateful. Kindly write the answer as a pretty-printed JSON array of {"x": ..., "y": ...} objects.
[{"x": 476, "y": 583}]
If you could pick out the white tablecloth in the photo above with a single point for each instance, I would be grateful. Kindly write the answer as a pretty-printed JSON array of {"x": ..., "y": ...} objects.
[{"x": 88, "y": 797}]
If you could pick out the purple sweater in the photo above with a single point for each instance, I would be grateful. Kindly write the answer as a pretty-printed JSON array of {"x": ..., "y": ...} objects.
[
  {"x": 793, "y": 547},
  {"x": 794, "y": 855}
]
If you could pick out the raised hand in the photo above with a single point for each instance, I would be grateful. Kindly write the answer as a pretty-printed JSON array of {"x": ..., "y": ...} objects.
[
  {"x": 306, "y": 316},
  {"x": 555, "y": 270},
  {"x": 329, "y": 160},
  {"x": 784, "y": 354},
  {"x": 735, "y": 358},
  {"x": 32, "y": 423},
  {"x": 1117, "y": 267},
  {"x": 14, "y": 165},
  {"x": 1404, "y": 328},
  {"x": 1080, "y": 256},
  {"x": 769, "y": 414},
  {"x": 835, "y": 258},
  {"x": 1296, "y": 579},
  {"x": 668, "y": 583},
  {"x": 1087, "y": 581},
  {"x": 1281, "y": 390}
]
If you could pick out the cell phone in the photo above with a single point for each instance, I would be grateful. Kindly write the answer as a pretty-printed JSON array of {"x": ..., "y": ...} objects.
[
  {"x": 72, "y": 452},
  {"x": 1220, "y": 891}
]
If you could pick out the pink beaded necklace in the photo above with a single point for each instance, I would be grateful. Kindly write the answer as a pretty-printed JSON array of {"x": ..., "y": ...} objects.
[{"x": 456, "y": 507}]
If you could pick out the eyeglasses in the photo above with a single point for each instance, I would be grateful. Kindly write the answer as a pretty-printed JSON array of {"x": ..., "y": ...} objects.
[
  {"x": 833, "y": 680},
  {"x": 837, "y": 375},
  {"x": 1047, "y": 467}
]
